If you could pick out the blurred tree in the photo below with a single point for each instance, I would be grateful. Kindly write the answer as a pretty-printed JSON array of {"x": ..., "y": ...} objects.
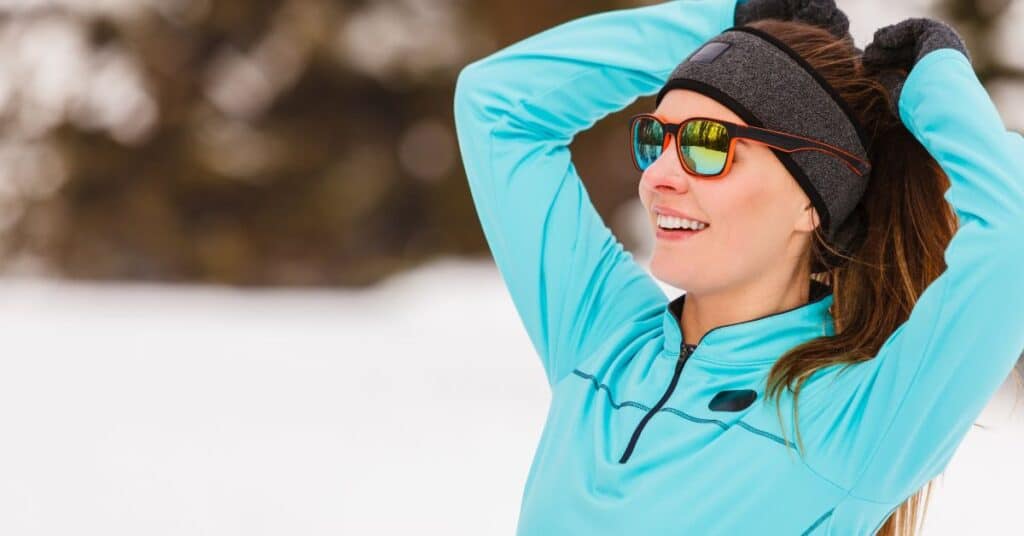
[{"x": 270, "y": 142}]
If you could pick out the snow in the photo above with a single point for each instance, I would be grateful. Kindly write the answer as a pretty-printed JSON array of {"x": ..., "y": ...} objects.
[{"x": 148, "y": 409}]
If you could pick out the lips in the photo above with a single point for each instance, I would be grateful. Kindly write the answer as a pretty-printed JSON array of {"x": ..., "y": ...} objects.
[{"x": 676, "y": 234}]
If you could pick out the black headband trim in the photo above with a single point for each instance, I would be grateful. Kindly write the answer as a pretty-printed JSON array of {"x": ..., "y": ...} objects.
[
  {"x": 714, "y": 93},
  {"x": 809, "y": 189},
  {"x": 861, "y": 134}
]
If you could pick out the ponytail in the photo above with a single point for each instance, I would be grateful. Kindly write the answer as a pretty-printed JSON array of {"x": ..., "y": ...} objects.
[{"x": 902, "y": 226}]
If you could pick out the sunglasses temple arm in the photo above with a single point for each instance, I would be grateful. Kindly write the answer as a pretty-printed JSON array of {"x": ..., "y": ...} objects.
[
  {"x": 790, "y": 143},
  {"x": 858, "y": 166}
]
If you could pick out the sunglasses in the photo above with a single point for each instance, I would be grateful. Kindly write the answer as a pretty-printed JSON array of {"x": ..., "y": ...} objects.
[{"x": 706, "y": 146}]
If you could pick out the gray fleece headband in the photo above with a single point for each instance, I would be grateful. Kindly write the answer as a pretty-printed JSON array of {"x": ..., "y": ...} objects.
[{"x": 769, "y": 85}]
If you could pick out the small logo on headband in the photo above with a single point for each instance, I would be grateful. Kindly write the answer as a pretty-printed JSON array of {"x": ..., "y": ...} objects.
[{"x": 709, "y": 52}]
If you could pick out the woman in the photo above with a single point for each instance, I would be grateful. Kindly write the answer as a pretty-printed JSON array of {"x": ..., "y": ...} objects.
[{"x": 823, "y": 254}]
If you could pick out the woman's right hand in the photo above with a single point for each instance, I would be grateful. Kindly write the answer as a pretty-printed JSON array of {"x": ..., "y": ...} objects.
[{"x": 822, "y": 13}]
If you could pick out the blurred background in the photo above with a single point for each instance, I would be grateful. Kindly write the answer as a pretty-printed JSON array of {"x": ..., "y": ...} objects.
[
  {"x": 294, "y": 142},
  {"x": 243, "y": 286}
]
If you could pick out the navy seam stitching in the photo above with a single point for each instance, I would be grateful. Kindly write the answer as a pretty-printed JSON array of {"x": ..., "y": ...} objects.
[
  {"x": 769, "y": 435},
  {"x": 697, "y": 420},
  {"x": 598, "y": 385},
  {"x": 818, "y": 521}
]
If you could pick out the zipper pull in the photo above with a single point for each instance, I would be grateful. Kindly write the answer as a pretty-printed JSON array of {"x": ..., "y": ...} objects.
[{"x": 684, "y": 354}]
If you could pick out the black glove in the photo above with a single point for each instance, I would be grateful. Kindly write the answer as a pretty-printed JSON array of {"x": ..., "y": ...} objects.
[
  {"x": 822, "y": 13},
  {"x": 902, "y": 45}
]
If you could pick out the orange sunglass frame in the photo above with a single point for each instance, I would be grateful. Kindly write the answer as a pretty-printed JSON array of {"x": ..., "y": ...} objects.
[{"x": 777, "y": 139}]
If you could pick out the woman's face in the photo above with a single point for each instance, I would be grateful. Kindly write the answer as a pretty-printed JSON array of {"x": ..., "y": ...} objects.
[{"x": 757, "y": 214}]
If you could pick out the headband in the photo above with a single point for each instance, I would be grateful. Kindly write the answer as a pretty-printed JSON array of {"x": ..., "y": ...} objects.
[{"x": 769, "y": 85}]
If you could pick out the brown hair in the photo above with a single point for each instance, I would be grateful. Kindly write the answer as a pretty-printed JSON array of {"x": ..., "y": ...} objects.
[{"x": 909, "y": 225}]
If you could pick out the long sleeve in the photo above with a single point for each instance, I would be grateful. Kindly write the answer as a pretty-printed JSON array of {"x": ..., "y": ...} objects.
[
  {"x": 516, "y": 112},
  {"x": 913, "y": 404}
]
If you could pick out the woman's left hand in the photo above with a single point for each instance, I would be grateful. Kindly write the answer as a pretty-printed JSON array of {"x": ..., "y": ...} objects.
[{"x": 902, "y": 45}]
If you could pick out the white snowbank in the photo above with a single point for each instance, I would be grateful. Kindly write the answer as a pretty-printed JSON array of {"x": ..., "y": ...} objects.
[{"x": 411, "y": 408}]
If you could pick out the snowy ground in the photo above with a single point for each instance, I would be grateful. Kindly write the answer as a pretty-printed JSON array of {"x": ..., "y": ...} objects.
[{"x": 413, "y": 408}]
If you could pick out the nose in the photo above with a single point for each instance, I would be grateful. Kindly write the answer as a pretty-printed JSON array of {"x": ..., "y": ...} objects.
[{"x": 666, "y": 172}]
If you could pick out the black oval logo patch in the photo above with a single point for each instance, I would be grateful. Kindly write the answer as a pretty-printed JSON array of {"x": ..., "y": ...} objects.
[{"x": 733, "y": 400}]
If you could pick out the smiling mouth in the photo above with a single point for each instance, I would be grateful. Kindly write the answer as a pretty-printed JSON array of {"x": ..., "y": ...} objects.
[
  {"x": 672, "y": 224},
  {"x": 682, "y": 232},
  {"x": 674, "y": 228}
]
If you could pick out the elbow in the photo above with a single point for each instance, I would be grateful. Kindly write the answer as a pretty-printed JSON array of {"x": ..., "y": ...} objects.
[
  {"x": 464, "y": 107},
  {"x": 1003, "y": 239},
  {"x": 465, "y": 84},
  {"x": 468, "y": 99},
  {"x": 471, "y": 88},
  {"x": 481, "y": 102}
]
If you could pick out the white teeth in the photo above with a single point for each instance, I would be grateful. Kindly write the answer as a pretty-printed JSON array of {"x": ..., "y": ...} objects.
[{"x": 671, "y": 222}]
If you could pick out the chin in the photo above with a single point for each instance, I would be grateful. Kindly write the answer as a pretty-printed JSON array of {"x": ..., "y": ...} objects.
[{"x": 670, "y": 269}]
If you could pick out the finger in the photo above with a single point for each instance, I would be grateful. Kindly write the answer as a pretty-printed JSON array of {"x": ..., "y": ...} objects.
[
  {"x": 763, "y": 9},
  {"x": 878, "y": 56},
  {"x": 895, "y": 36},
  {"x": 895, "y": 44}
]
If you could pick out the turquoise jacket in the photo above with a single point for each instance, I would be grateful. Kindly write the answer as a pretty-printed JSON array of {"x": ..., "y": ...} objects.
[{"x": 647, "y": 436}]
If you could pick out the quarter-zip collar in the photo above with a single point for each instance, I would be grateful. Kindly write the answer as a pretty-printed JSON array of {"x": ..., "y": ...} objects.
[{"x": 755, "y": 341}]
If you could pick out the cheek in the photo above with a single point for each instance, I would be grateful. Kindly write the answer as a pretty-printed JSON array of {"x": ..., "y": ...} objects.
[
  {"x": 748, "y": 219},
  {"x": 760, "y": 221},
  {"x": 749, "y": 210}
]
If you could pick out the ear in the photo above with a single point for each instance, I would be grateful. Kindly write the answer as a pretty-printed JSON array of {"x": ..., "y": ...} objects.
[{"x": 807, "y": 220}]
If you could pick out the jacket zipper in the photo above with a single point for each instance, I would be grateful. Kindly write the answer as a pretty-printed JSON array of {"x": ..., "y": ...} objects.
[{"x": 684, "y": 354}]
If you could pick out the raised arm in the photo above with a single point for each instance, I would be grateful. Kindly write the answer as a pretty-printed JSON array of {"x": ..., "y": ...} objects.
[
  {"x": 906, "y": 411},
  {"x": 516, "y": 112}
]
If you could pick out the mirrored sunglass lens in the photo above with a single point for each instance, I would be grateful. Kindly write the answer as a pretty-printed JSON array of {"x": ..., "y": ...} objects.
[
  {"x": 704, "y": 146},
  {"x": 647, "y": 139}
]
